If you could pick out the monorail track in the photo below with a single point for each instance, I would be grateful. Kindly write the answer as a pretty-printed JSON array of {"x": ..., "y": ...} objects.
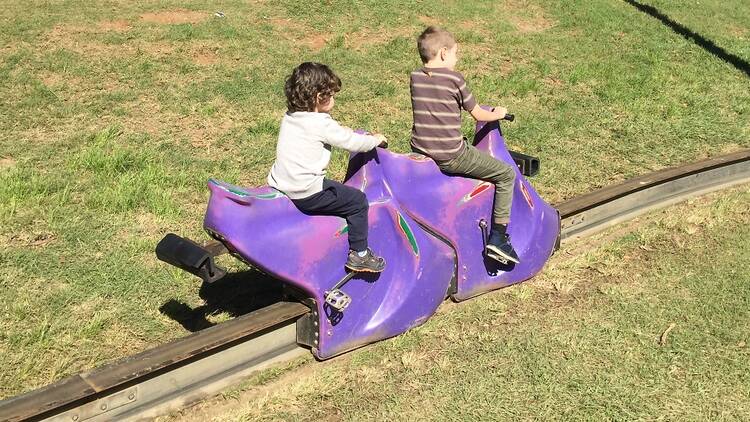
[{"x": 178, "y": 373}]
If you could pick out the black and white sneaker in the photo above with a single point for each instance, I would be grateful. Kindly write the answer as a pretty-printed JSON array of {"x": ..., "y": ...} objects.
[
  {"x": 369, "y": 263},
  {"x": 500, "y": 249}
]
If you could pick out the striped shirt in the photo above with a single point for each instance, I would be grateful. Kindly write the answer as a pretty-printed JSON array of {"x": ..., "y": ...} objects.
[{"x": 437, "y": 96}]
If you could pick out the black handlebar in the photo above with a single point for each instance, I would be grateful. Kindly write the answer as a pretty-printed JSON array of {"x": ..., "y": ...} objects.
[{"x": 509, "y": 117}]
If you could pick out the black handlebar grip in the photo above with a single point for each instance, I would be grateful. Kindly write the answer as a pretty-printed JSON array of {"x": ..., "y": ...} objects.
[{"x": 509, "y": 117}]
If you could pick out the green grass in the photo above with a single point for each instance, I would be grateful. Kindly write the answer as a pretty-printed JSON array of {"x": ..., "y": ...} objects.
[
  {"x": 589, "y": 339},
  {"x": 112, "y": 120}
]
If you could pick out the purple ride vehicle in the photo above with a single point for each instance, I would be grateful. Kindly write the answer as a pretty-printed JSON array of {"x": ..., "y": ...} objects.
[{"x": 431, "y": 228}]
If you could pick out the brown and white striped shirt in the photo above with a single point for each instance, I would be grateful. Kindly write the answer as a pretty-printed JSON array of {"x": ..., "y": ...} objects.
[{"x": 437, "y": 96}]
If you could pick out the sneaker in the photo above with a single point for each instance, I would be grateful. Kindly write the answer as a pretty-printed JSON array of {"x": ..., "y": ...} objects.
[
  {"x": 500, "y": 249},
  {"x": 370, "y": 263}
]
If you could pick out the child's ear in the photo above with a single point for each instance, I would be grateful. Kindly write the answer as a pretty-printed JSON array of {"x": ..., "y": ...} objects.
[{"x": 443, "y": 52}]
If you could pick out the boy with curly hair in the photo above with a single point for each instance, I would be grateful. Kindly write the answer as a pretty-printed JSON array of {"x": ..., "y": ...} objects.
[
  {"x": 304, "y": 150},
  {"x": 438, "y": 93}
]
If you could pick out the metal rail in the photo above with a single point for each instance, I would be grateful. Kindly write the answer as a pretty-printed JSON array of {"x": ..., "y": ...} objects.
[
  {"x": 186, "y": 370},
  {"x": 168, "y": 376},
  {"x": 595, "y": 211}
]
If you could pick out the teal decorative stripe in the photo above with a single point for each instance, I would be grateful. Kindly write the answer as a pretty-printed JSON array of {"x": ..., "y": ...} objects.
[
  {"x": 242, "y": 192},
  {"x": 404, "y": 226}
]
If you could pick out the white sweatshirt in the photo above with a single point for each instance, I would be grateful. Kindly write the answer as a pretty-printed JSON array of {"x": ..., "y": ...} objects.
[{"x": 304, "y": 150}]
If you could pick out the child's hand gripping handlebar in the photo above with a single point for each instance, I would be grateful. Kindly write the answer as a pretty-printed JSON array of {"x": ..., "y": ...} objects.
[
  {"x": 509, "y": 117},
  {"x": 383, "y": 141}
]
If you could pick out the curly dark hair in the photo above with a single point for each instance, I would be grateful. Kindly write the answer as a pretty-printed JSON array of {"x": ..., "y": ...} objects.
[{"x": 306, "y": 82}]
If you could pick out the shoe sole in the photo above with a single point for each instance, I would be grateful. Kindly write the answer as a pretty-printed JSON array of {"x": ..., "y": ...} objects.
[
  {"x": 496, "y": 253},
  {"x": 362, "y": 269}
]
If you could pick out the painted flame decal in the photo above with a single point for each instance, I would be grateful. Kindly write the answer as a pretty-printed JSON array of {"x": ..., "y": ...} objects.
[
  {"x": 479, "y": 188},
  {"x": 527, "y": 195}
]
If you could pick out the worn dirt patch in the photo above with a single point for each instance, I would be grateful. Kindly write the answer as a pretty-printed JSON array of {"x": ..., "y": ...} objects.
[
  {"x": 285, "y": 24},
  {"x": 299, "y": 33},
  {"x": 120, "y": 25},
  {"x": 147, "y": 224},
  {"x": 366, "y": 37},
  {"x": 485, "y": 66},
  {"x": 26, "y": 239},
  {"x": 158, "y": 49},
  {"x": 64, "y": 32},
  {"x": 532, "y": 24},
  {"x": 6, "y": 163},
  {"x": 476, "y": 26},
  {"x": 316, "y": 42},
  {"x": 146, "y": 115},
  {"x": 51, "y": 79},
  {"x": 205, "y": 57},
  {"x": 730, "y": 148},
  {"x": 428, "y": 20},
  {"x": 171, "y": 17},
  {"x": 527, "y": 18},
  {"x": 552, "y": 81},
  {"x": 737, "y": 31},
  {"x": 79, "y": 39}
]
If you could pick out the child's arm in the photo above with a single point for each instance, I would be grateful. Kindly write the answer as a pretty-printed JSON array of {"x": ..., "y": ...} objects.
[
  {"x": 481, "y": 115},
  {"x": 469, "y": 103},
  {"x": 344, "y": 137}
]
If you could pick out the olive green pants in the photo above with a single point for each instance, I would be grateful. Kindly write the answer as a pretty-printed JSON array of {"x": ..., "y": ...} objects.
[{"x": 476, "y": 164}]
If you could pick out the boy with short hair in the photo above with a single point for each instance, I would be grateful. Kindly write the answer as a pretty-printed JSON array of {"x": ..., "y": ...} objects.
[
  {"x": 438, "y": 93},
  {"x": 304, "y": 150}
]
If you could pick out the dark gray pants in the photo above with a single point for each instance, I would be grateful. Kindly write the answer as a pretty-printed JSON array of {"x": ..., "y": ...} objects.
[{"x": 476, "y": 164}]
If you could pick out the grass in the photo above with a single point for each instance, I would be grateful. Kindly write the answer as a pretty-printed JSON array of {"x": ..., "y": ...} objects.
[
  {"x": 589, "y": 339},
  {"x": 114, "y": 114}
]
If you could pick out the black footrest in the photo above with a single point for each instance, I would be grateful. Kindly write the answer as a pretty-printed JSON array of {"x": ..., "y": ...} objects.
[
  {"x": 528, "y": 165},
  {"x": 185, "y": 254}
]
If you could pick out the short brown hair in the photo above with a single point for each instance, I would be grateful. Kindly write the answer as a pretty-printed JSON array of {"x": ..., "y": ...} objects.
[
  {"x": 432, "y": 40},
  {"x": 306, "y": 82}
]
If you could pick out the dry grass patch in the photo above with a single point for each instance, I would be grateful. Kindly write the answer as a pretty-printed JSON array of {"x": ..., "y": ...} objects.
[
  {"x": 171, "y": 17},
  {"x": 6, "y": 163},
  {"x": 202, "y": 132},
  {"x": 730, "y": 148},
  {"x": 527, "y": 18},
  {"x": 145, "y": 115},
  {"x": 737, "y": 31},
  {"x": 205, "y": 56},
  {"x": 34, "y": 239},
  {"x": 297, "y": 32},
  {"x": 428, "y": 20},
  {"x": 315, "y": 42},
  {"x": 157, "y": 49},
  {"x": 77, "y": 39},
  {"x": 119, "y": 25},
  {"x": 52, "y": 79},
  {"x": 368, "y": 37},
  {"x": 56, "y": 134},
  {"x": 145, "y": 224},
  {"x": 533, "y": 24}
]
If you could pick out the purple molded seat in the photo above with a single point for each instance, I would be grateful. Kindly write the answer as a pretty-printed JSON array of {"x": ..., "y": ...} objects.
[
  {"x": 453, "y": 206},
  {"x": 308, "y": 252},
  {"x": 424, "y": 223}
]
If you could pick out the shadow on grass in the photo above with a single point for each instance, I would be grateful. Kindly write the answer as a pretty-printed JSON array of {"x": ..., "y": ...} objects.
[
  {"x": 706, "y": 44},
  {"x": 236, "y": 294}
]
